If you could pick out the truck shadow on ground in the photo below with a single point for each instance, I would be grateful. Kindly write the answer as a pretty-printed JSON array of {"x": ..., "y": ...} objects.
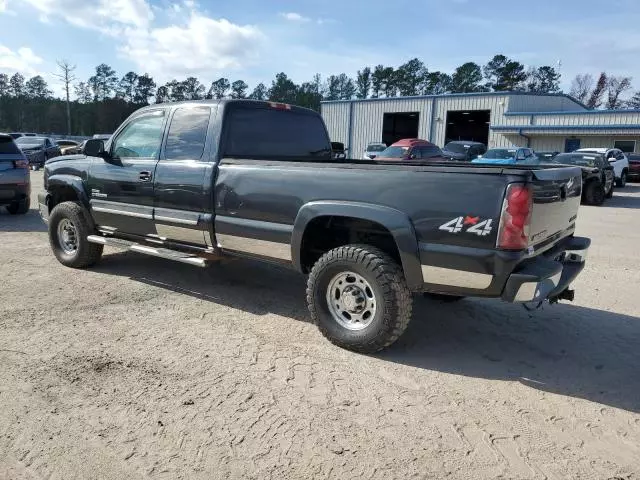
[
  {"x": 563, "y": 349},
  {"x": 29, "y": 222},
  {"x": 622, "y": 199}
]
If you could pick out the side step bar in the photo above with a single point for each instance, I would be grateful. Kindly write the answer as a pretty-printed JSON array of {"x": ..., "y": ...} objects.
[{"x": 153, "y": 251}]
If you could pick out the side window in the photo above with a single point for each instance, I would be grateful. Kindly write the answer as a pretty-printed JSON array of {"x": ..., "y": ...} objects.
[
  {"x": 416, "y": 152},
  {"x": 141, "y": 138},
  {"x": 620, "y": 156},
  {"x": 187, "y": 133},
  {"x": 611, "y": 154}
]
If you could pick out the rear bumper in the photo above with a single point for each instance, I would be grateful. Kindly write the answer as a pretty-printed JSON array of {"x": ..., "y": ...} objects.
[
  {"x": 11, "y": 193},
  {"x": 546, "y": 277},
  {"x": 633, "y": 174}
]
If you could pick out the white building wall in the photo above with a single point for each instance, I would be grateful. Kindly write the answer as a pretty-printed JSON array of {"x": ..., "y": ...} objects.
[
  {"x": 336, "y": 117},
  {"x": 497, "y": 104},
  {"x": 596, "y": 118},
  {"x": 368, "y": 118}
]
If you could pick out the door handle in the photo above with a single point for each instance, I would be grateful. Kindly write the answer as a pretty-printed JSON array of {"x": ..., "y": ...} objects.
[{"x": 145, "y": 176}]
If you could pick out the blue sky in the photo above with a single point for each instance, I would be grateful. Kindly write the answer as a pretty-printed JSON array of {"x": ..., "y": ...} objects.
[{"x": 254, "y": 39}]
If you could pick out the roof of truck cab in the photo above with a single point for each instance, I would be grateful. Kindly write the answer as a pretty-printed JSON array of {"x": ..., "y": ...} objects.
[{"x": 226, "y": 101}]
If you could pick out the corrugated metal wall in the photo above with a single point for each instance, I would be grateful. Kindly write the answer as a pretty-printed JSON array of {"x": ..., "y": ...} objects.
[
  {"x": 336, "y": 117},
  {"x": 368, "y": 118},
  {"x": 556, "y": 144}
]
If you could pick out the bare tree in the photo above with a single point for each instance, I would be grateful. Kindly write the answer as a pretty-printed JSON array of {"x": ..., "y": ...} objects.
[
  {"x": 595, "y": 99},
  {"x": 616, "y": 86},
  {"x": 67, "y": 77},
  {"x": 581, "y": 87}
]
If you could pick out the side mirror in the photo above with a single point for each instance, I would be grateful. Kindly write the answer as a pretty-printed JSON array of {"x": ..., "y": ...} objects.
[
  {"x": 613, "y": 160},
  {"x": 94, "y": 148}
]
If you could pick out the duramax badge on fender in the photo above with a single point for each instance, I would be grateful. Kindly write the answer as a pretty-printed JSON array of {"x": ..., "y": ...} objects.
[{"x": 196, "y": 181}]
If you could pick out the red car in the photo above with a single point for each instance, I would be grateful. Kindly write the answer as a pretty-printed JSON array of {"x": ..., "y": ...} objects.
[
  {"x": 634, "y": 166},
  {"x": 411, "y": 149}
]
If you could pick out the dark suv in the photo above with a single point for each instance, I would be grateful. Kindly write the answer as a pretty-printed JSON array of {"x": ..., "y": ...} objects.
[
  {"x": 15, "y": 184},
  {"x": 463, "y": 151}
]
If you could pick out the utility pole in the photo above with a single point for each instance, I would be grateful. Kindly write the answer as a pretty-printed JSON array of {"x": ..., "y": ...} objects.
[{"x": 67, "y": 77}]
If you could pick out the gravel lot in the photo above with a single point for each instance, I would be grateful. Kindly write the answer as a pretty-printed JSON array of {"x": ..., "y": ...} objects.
[{"x": 142, "y": 367}]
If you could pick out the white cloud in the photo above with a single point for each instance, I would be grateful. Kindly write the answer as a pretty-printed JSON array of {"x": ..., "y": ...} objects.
[
  {"x": 202, "y": 45},
  {"x": 3, "y": 6},
  {"x": 295, "y": 17},
  {"x": 104, "y": 16},
  {"x": 22, "y": 60}
]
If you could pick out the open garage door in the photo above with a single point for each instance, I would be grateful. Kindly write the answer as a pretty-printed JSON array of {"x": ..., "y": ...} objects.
[
  {"x": 469, "y": 125},
  {"x": 397, "y": 126}
]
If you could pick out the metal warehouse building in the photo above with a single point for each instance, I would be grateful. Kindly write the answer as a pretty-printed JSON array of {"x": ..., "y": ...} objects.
[{"x": 544, "y": 122}]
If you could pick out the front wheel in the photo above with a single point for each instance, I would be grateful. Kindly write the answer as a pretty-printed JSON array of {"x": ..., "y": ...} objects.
[
  {"x": 594, "y": 193},
  {"x": 68, "y": 231},
  {"x": 358, "y": 297},
  {"x": 610, "y": 192},
  {"x": 622, "y": 181}
]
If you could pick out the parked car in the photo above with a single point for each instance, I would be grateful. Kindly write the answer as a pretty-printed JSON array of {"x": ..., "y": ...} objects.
[
  {"x": 546, "y": 156},
  {"x": 15, "y": 182},
  {"x": 463, "y": 151},
  {"x": 338, "y": 150},
  {"x": 411, "y": 149},
  {"x": 38, "y": 150},
  {"x": 508, "y": 156},
  {"x": 634, "y": 166},
  {"x": 373, "y": 150},
  {"x": 597, "y": 175},
  {"x": 198, "y": 181},
  {"x": 67, "y": 147},
  {"x": 615, "y": 157},
  {"x": 78, "y": 149}
]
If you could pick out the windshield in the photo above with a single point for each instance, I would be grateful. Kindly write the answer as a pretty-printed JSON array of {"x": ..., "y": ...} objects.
[
  {"x": 30, "y": 141},
  {"x": 394, "y": 152},
  {"x": 500, "y": 154},
  {"x": 457, "y": 147},
  {"x": 376, "y": 147},
  {"x": 574, "y": 159}
]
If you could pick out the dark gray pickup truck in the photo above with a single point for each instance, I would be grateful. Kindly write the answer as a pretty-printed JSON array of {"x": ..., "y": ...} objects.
[{"x": 193, "y": 182}]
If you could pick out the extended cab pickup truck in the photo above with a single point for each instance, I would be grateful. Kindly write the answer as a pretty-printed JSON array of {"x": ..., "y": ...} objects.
[{"x": 196, "y": 181}]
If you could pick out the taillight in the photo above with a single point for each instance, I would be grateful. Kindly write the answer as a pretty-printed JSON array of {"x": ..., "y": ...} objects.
[
  {"x": 280, "y": 106},
  {"x": 516, "y": 218},
  {"x": 21, "y": 164}
]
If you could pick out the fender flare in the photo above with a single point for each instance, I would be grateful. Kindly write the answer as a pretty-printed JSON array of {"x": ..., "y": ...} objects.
[
  {"x": 72, "y": 181},
  {"x": 397, "y": 222}
]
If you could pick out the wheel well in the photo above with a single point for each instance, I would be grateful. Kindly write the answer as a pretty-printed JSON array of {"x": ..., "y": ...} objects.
[
  {"x": 328, "y": 232},
  {"x": 62, "y": 194}
]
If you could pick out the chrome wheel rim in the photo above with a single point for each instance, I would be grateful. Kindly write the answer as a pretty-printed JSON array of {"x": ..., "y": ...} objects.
[
  {"x": 68, "y": 236},
  {"x": 351, "y": 301}
]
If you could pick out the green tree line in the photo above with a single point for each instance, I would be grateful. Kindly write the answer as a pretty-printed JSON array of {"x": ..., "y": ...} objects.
[{"x": 104, "y": 100}]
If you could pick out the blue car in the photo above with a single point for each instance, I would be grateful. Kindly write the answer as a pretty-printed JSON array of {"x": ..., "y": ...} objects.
[{"x": 508, "y": 156}]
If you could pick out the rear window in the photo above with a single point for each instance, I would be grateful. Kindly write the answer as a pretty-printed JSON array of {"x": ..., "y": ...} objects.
[
  {"x": 578, "y": 160},
  {"x": 394, "y": 152},
  {"x": 500, "y": 154},
  {"x": 376, "y": 147},
  {"x": 280, "y": 134},
  {"x": 187, "y": 133},
  {"x": 457, "y": 147},
  {"x": 7, "y": 145}
]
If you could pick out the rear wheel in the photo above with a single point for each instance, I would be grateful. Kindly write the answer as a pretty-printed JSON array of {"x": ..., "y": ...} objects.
[
  {"x": 610, "y": 192},
  {"x": 622, "y": 181},
  {"x": 19, "y": 208},
  {"x": 594, "y": 193},
  {"x": 69, "y": 227},
  {"x": 358, "y": 297}
]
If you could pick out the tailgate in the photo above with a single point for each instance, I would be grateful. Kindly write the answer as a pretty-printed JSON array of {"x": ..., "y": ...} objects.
[{"x": 556, "y": 199}]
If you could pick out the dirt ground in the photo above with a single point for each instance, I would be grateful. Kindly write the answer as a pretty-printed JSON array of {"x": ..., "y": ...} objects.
[{"x": 141, "y": 367}]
